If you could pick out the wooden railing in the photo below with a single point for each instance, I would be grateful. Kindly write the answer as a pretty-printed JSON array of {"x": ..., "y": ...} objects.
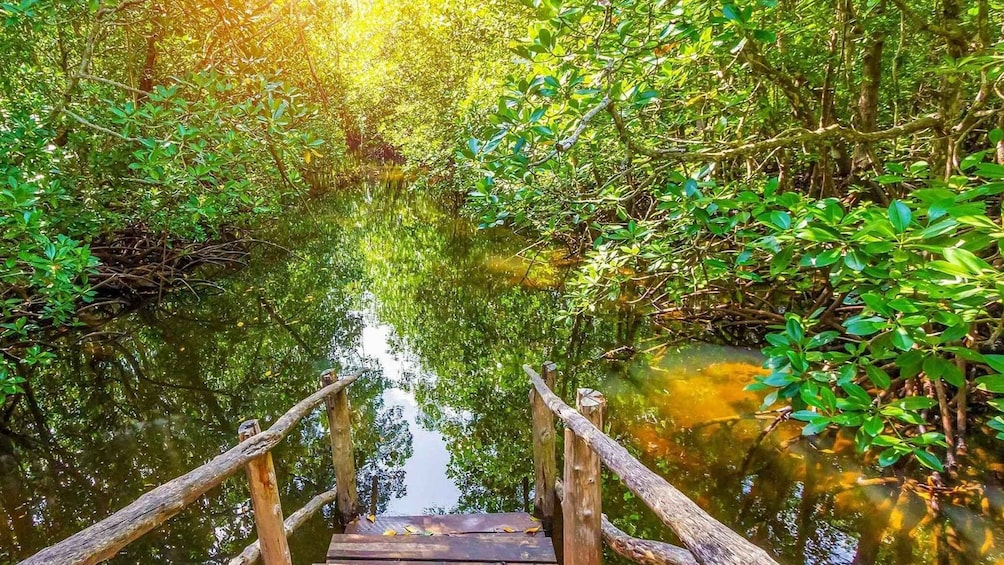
[
  {"x": 580, "y": 526},
  {"x": 104, "y": 539}
]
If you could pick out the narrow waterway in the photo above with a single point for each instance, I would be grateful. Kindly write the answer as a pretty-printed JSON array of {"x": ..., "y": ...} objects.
[{"x": 442, "y": 317}]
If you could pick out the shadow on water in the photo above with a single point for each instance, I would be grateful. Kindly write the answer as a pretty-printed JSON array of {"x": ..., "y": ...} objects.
[{"x": 442, "y": 316}]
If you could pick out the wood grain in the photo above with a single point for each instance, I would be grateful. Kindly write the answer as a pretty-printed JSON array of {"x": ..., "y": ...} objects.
[
  {"x": 264, "y": 489},
  {"x": 582, "y": 506},
  {"x": 104, "y": 539},
  {"x": 710, "y": 541},
  {"x": 642, "y": 551},
  {"x": 342, "y": 455},
  {"x": 252, "y": 553},
  {"x": 544, "y": 458},
  {"x": 490, "y": 548}
]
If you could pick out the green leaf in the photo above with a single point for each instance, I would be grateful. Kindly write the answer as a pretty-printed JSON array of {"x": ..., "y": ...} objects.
[
  {"x": 915, "y": 402},
  {"x": 864, "y": 326},
  {"x": 781, "y": 260},
  {"x": 902, "y": 340},
  {"x": 873, "y": 426},
  {"x": 805, "y": 415},
  {"x": 889, "y": 456},
  {"x": 928, "y": 460},
  {"x": 815, "y": 426},
  {"x": 732, "y": 13},
  {"x": 996, "y": 362},
  {"x": 991, "y": 383},
  {"x": 854, "y": 261},
  {"x": 857, "y": 395},
  {"x": 780, "y": 219},
  {"x": 794, "y": 329},
  {"x": 966, "y": 260},
  {"x": 899, "y": 215},
  {"x": 878, "y": 377},
  {"x": 765, "y": 36},
  {"x": 937, "y": 367}
]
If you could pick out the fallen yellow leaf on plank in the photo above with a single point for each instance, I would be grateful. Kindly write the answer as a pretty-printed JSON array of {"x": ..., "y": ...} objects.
[
  {"x": 507, "y": 529},
  {"x": 371, "y": 517},
  {"x": 532, "y": 530},
  {"x": 390, "y": 533},
  {"x": 411, "y": 529}
]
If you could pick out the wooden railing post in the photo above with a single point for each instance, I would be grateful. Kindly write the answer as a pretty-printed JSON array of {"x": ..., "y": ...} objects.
[
  {"x": 265, "y": 502},
  {"x": 581, "y": 508},
  {"x": 340, "y": 430},
  {"x": 545, "y": 465}
]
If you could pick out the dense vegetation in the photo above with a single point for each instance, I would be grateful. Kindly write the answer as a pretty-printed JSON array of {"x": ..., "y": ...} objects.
[
  {"x": 127, "y": 135},
  {"x": 832, "y": 170},
  {"x": 822, "y": 178}
]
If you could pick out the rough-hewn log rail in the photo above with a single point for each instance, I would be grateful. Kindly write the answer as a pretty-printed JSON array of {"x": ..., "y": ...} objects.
[
  {"x": 710, "y": 541},
  {"x": 252, "y": 553},
  {"x": 104, "y": 539},
  {"x": 643, "y": 551}
]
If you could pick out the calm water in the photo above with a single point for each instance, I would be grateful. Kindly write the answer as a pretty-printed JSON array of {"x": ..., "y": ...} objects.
[{"x": 442, "y": 317}]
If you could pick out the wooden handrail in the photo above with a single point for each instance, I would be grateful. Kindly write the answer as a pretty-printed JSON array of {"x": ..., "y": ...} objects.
[
  {"x": 252, "y": 553},
  {"x": 710, "y": 541},
  {"x": 104, "y": 539},
  {"x": 643, "y": 551}
]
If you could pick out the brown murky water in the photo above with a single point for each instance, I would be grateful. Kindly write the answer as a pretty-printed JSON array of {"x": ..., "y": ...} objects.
[
  {"x": 811, "y": 500},
  {"x": 443, "y": 317}
]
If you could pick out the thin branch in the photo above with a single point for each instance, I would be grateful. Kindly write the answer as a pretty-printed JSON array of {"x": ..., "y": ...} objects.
[
  {"x": 568, "y": 142},
  {"x": 565, "y": 144},
  {"x": 252, "y": 553},
  {"x": 798, "y": 136},
  {"x": 954, "y": 35},
  {"x": 113, "y": 83},
  {"x": 96, "y": 127}
]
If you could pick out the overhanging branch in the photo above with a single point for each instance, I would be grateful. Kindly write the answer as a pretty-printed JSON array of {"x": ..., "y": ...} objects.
[{"x": 796, "y": 137}]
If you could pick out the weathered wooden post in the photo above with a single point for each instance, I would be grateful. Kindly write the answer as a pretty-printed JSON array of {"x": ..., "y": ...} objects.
[
  {"x": 265, "y": 502},
  {"x": 544, "y": 460},
  {"x": 340, "y": 430},
  {"x": 581, "y": 510}
]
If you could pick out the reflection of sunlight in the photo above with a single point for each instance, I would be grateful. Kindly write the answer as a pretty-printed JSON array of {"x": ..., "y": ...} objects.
[
  {"x": 692, "y": 416},
  {"x": 702, "y": 385},
  {"x": 425, "y": 480}
]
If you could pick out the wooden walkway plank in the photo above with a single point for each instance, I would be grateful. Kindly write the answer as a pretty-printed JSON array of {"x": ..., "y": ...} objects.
[
  {"x": 401, "y": 562},
  {"x": 510, "y": 549},
  {"x": 441, "y": 524}
]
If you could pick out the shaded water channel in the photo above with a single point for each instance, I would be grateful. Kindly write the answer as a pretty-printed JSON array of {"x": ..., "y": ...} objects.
[{"x": 442, "y": 317}]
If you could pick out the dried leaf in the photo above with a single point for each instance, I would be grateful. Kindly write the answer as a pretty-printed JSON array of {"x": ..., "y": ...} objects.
[
  {"x": 306, "y": 157},
  {"x": 532, "y": 530},
  {"x": 411, "y": 529},
  {"x": 507, "y": 529},
  {"x": 534, "y": 519},
  {"x": 371, "y": 517},
  {"x": 390, "y": 533}
]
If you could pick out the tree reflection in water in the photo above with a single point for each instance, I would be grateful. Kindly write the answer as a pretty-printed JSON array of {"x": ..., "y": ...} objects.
[{"x": 144, "y": 398}]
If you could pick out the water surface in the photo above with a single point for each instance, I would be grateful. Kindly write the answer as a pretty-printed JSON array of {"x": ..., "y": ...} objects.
[{"x": 442, "y": 317}]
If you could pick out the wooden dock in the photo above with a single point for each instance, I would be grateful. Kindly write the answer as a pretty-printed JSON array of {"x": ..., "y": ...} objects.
[
  {"x": 450, "y": 538},
  {"x": 569, "y": 507}
]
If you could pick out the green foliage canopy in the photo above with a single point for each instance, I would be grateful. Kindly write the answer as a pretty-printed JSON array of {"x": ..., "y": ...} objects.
[{"x": 831, "y": 171}]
